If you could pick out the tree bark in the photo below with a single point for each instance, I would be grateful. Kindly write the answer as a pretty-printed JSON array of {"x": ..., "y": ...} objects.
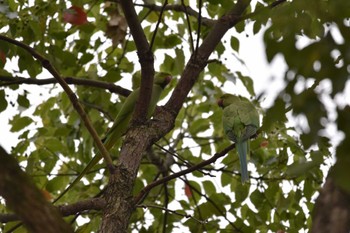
[
  {"x": 26, "y": 200},
  {"x": 332, "y": 210}
]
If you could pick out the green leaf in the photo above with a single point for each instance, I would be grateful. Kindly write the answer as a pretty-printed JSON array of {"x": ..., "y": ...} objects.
[
  {"x": 241, "y": 191},
  {"x": 179, "y": 62},
  {"x": 247, "y": 82},
  {"x": 209, "y": 187},
  {"x": 274, "y": 115},
  {"x": 86, "y": 58},
  {"x": 54, "y": 144},
  {"x": 208, "y": 210},
  {"x": 226, "y": 179},
  {"x": 171, "y": 41},
  {"x": 57, "y": 183},
  {"x": 3, "y": 101},
  {"x": 199, "y": 125},
  {"x": 234, "y": 43},
  {"x": 23, "y": 101},
  {"x": 298, "y": 169},
  {"x": 257, "y": 198},
  {"x": 18, "y": 123},
  {"x": 272, "y": 192},
  {"x": 113, "y": 75}
]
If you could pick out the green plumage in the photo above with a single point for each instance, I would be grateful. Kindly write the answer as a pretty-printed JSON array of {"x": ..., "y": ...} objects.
[
  {"x": 122, "y": 120},
  {"x": 240, "y": 121}
]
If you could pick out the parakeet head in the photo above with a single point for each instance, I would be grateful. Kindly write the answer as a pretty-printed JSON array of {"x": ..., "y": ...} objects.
[
  {"x": 162, "y": 79},
  {"x": 227, "y": 99}
]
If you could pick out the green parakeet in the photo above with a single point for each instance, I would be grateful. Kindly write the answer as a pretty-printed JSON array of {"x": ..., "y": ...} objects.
[
  {"x": 122, "y": 120},
  {"x": 240, "y": 121}
]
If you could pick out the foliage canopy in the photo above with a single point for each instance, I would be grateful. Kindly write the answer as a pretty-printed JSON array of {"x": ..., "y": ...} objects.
[{"x": 99, "y": 58}]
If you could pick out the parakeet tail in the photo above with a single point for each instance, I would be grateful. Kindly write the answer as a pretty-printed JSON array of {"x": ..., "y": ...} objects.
[{"x": 242, "y": 148}]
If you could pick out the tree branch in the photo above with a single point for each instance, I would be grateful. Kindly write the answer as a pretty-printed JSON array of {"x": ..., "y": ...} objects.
[
  {"x": 66, "y": 210},
  {"x": 332, "y": 209},
  {"x": 199, "y": 18},
  {"x": 171, "y": 211},
  {"x": 181, "y": 173},
  {"x": 72, "y": 97},
  {"x": 157, "y": 25},
  {"x": 146, "y": 61},
  {"x": 215, "y": 205},
  {"x": 7, "y": 81},
  {"x": 188, "y": 24},
  {"x": 26, "y": 200}
]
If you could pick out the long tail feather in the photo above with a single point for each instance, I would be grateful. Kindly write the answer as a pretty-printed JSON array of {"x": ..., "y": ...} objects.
[{"x": 242, "y": 148}]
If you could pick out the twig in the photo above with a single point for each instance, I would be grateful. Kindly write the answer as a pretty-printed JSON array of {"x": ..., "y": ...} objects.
[
  {"x": 8, "y": 80},
  {"x": 263, "y": 9},
  {"x": 179, "y": 8},
  {"x": 188, "y": 24},
  {"x": 188, "y": 164},
  {"x": 166, "y": 203},
  {"x": 222, "y": 213},
  {"x": 181, "y": 173},
  {"x": 99, "y": 109},
  {"x": 185, "y": 180},
  {"x": 199, "y": 18},
  {"x": 157, "y": 25},
  {"x": 171, "y": 211}
]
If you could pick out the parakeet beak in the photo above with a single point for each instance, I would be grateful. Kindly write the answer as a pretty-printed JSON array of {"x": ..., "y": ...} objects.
[
  {"x": 168, "y": 79},
  {"x": 220, "y": 102}
]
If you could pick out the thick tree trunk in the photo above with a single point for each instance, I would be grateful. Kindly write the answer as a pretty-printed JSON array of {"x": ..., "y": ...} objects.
[
  {"x": 332, "y": 210},
  {"x": 119, "y": 206},
  {"x": 26, "y": 200}
]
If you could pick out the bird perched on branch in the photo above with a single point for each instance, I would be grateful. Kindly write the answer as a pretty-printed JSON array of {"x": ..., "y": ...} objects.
[
  {"x": 122, "y": 120},
  {"x": 240, "y": 122}
]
